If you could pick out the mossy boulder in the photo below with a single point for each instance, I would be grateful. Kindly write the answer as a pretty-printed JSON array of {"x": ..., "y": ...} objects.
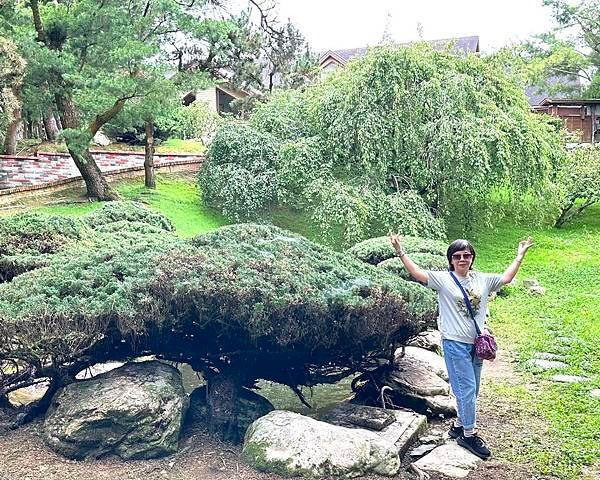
[
  {"x": 290, "y": 444},
  {"x": 135, "y": 411}
]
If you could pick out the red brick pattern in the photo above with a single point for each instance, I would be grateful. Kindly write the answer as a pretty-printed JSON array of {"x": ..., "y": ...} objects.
[{"x": 48, "y": 168}]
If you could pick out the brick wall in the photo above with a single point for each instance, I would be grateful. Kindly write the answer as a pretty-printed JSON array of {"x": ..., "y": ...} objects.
[{"x": 57, "y": 168}]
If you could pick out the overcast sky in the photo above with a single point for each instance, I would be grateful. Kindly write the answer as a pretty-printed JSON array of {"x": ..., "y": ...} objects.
[{"x": 335, "y": 24}]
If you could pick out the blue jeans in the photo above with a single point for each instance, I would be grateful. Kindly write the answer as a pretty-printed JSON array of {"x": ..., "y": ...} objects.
[{"x": 464, "y": 373}]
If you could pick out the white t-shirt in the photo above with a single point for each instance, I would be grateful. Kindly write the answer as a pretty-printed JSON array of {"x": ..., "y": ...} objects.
[{"x": 454, "y": 321}]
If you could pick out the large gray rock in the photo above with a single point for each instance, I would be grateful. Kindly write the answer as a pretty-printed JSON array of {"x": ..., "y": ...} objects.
[
  {"x": 250, "y": 407},
  {"x": 135, "y": 411},
  {"x": 417, "y": 378},
  {"x": 429, "y": 359},
  {"x": 429, "y": 339},
  {"x": 290, "y": 444},
  {"x": 450, "y": 460}
]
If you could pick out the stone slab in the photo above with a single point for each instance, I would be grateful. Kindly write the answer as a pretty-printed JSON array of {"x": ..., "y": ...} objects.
[
  {"x": 352, "y": 416},
  {"x": 449, "y": 459},
  {"x": 539, "y": 364},
  {"x": 568, "y": 378}
]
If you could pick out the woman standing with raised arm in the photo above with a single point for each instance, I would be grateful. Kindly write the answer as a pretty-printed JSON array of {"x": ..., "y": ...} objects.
[{"x": 460, "y": 308}]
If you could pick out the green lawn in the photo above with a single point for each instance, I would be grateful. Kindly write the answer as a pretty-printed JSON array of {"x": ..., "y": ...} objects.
[
  {"x": 565, "y": 321},
  {"x": 565, "y": 261},
  {"x": 175, "y": 196}
]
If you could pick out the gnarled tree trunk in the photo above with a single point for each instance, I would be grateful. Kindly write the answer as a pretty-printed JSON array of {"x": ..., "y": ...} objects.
[
  {"x": 79, "y": 148},
  {"x": 10, "y": 141},
  {"x": 222, "y": 394}
]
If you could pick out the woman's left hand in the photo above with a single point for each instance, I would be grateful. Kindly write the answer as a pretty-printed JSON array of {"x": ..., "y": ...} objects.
[{"x": 524, "y": 245}]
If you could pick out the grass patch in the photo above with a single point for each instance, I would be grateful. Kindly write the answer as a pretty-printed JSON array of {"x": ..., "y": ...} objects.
[
  {"x": 177, "y": 145},
  {"x": 176, "y": 197},
  {"x": 565, "y": 321}
]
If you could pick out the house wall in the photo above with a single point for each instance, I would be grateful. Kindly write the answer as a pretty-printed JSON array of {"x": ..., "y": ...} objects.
[
  {"x": 208, "y": 95},
  {"x": 576, "y": 118}
]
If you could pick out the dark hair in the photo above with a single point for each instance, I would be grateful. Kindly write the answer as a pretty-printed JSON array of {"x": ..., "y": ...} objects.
[{"x": 457, "y": 246}]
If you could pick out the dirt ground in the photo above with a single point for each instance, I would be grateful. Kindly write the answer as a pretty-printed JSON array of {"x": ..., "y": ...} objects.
[{"x": 201, "y": 457}]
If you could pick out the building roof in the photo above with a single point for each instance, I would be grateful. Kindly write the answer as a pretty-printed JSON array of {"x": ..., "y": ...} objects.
[
  {"x": 570, "y": 101},
  {"x": 459, "y": 45}
]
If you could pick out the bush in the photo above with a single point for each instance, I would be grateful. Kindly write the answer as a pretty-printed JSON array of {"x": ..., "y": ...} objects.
[
  {"x": 405, "y": 135},
  {"x": 298, "y": 164},
  {"x": 239, "y": 175},
  {"x": 376, "y": 250},
  {"x": 112, "y": 212},
  {"x": 27, "y": 239},
  {"x": 407, "y": 213},
  {"x": 286, "y": 115},
  {"x": 580, "y": 179},
  {"x": 427, "y": 261},
  {"x": 263, "y": 301}
]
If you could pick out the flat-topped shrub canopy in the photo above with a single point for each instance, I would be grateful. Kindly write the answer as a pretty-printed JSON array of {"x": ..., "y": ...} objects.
[
  {"x": 376, "y": 250},
  {"x": 255, "y": 298}
]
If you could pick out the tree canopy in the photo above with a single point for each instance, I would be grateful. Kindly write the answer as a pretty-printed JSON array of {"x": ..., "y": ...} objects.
[
  {"x": 570, "y": 51},
  {"x": 250, "y": 300},
  {"x": 402, "y": 139}
]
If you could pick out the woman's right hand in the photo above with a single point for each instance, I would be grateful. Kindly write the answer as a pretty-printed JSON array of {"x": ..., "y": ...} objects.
[{"x": 395, "y": 241}]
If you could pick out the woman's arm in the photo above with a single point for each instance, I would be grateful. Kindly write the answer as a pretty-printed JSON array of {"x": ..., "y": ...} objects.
[
  {"x": 415, "y": 271},
  {"x": 513, "y": 268}
]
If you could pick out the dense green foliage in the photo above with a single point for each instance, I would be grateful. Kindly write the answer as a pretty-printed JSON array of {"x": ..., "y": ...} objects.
[
  {"x": 127, "y": 211},
  {"x": 580, "y": 178},
  {"x": 395, "y": 138},
  {"x": 261, "y": 300},
  {"x": 239, "y": 174},
  {"x": 376, "y": 250},
  {"x": 29, "y": 239},
  {"x": 427, "y": 261}
]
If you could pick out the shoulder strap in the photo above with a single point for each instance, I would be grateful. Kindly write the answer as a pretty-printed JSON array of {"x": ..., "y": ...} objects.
[{"x": 467, "y": 301}]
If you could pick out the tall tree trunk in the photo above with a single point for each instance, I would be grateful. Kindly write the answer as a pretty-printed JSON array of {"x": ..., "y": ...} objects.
[
  {"x": 50, "y": 126},
  {"x": 10, "y": 141},
  {"x": 79, "y": 148},
  {"x": 150, "y": 180}
]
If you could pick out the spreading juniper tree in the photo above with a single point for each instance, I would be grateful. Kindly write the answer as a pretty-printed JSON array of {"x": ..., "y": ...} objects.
[{"x": 242, "y": 303}]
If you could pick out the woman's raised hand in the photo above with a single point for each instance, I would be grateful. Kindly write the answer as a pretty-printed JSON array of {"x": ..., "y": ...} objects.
[
  {"x": 395, "y": 241},
  {"x": 524, "y": 245}
]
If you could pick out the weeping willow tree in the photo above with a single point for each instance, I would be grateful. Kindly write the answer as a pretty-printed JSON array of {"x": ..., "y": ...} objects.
[
  {"x": 242, "y": 303},
  {"x": 404, "y": 139}
]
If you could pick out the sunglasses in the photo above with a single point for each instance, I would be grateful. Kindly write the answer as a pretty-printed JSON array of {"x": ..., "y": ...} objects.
[{"x": 461, "y": 256}]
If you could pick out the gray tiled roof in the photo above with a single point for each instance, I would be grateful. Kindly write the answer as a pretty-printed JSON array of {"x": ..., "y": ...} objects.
[{"x": 459, "y": 45}]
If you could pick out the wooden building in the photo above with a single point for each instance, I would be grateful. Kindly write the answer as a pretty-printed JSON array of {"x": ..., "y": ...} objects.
[{"x": 580, "y": 115}]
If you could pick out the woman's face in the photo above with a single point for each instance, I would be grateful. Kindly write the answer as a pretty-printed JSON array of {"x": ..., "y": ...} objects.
[{"x": 461, "y": 261}]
